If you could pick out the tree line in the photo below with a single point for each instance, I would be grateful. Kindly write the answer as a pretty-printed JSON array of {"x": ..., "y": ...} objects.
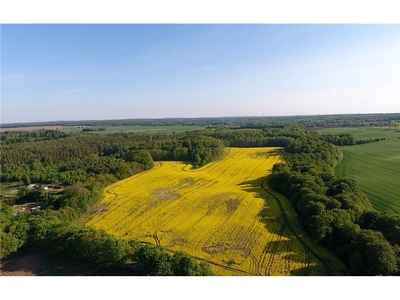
[
  {"x": 348, "y": 139},
  {"x": 76, "y": 157},
  {"x": 331, "y": 209},
  {"x": 334, "y": 211},
  {"x": 87, "y": 164},
  {"x": 238, "y": 121},
  {"x": 92, "y": 246}
]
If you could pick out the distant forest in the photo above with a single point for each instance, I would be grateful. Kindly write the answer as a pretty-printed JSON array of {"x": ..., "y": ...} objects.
[{"x": 253, "y": 121}]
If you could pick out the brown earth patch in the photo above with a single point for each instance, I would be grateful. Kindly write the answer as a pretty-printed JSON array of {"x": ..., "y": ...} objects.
[
  {"x": 217, "y": 249},
  {"x": 165, "y": 194},
  {"x": 232, "y": 204},
  {"x": 178, "y": 241},
  {"x": 214, "y": 249},
  {"x": 187, "y": 181}
]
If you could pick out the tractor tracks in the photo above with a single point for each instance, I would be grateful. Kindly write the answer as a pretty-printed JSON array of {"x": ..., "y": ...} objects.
[
  {"x": 328, "y": 269},
  {"x": 156, "y": 239}
]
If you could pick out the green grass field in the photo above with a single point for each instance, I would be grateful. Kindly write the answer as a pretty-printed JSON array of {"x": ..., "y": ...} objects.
[
  {"x": 139, "y": 128},
  {"x": 375, "y": 166}
]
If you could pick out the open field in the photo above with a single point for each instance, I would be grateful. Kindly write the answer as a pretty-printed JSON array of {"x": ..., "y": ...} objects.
[
  {"x": 218, "y": 213},
  {"x": 139, "y": 128},
  {"x": 10, "y": 189},
  {"x": 34, "y": 128},
  {"x": 109, "y": 129},
  {"x": 375, "y": 166}
]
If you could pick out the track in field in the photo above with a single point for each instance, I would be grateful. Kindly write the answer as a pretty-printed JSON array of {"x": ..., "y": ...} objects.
[{"x": 308, "y": 250}]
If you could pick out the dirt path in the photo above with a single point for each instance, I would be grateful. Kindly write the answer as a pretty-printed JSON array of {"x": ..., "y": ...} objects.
[{"x": 328, "y": 269}]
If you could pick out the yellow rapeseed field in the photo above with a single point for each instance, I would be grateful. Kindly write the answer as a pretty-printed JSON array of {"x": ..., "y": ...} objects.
[{"x": 217, "y": 213}]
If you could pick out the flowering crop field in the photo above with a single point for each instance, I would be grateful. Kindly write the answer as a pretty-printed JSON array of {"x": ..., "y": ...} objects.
[{"x": 218, "y": 213}]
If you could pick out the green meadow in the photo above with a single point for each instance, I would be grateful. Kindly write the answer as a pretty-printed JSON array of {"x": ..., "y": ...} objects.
[{"x": 375, "y": 166}]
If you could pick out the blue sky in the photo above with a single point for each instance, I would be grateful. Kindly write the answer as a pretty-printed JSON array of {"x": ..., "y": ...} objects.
[{"x": 81, "y": 72}]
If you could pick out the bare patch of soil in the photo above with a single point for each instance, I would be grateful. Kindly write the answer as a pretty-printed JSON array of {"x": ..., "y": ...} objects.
[
  {"x": 232, "y": 204},
  {"x": 165, "y": 194},
  {"x": 214, "y": 249},
  {"x": 218, "y": 249},
  {"x": 178, "y": 241},
  {"x": 162, "y": 195},
  {"x": 187, "y": 181}
]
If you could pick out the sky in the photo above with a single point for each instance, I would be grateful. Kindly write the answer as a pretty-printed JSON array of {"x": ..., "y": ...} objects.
[{"x": 55, "y": 72}]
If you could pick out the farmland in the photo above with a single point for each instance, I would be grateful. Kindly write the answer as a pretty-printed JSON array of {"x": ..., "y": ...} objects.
[
  {"x": 35, "y": 128},
  {"x": 375, "y": 166},
  {"x": 218, "y": 213},
  {"x": 139, "y": 129},
  {"x": 108, "y": 128}
]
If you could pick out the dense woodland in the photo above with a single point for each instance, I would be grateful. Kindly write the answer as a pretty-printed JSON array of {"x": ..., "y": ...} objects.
[
  {"x": 335, "y": 212},
  {"x": 331, "y": 209},
  {"x": 382, "y": 119},
  {"x": 87, "y": 163},
  {"x": 76, "y": 157}
]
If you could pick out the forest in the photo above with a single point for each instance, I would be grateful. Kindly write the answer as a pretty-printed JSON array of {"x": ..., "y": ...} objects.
[
  {"x": 239, "y": 121},
  {"x": 333, "y": 210}
]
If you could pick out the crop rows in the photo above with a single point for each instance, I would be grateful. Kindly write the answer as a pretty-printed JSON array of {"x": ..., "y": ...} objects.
[
  {"x": 375, "y": 166},
  {"x": 217, "y": 213}
]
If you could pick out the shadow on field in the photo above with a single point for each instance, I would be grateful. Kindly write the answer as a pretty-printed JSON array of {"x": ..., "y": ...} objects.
[
  {"x": 270, "y": 214},
  {"x": 277, "y": 221},
  {"x": 275, "y": 152},
  {"x": 308, "y": 271}
]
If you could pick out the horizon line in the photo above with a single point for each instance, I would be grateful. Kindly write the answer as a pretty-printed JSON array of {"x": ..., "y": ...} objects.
[{"x": 196, "y": 118}]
